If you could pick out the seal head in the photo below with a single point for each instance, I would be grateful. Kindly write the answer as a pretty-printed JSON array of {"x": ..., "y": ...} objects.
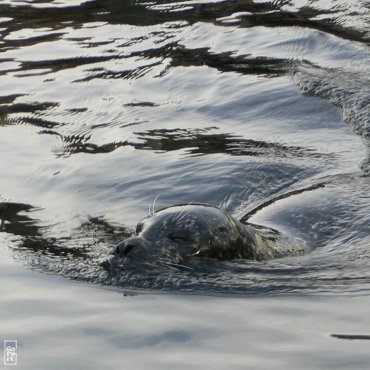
[{"x": 184, "y": 231}]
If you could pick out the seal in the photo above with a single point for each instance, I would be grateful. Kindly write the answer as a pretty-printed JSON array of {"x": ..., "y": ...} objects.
[{"x": 180, "y": 232}]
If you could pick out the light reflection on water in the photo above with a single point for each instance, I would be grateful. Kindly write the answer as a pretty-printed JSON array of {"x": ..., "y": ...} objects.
[{"x": 105, "y": 105}]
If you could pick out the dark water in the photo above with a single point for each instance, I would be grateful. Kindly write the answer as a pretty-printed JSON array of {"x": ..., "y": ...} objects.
[{"x": 260, "y": 107}]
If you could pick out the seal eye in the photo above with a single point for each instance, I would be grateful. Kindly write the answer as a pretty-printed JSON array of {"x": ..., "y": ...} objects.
[{"x": 177, "y": 238}]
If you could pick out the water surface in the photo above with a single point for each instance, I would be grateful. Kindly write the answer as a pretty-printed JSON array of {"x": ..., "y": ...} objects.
[
  {"x": 106, "y": 105},
  {"x": 258, "y": 107}
]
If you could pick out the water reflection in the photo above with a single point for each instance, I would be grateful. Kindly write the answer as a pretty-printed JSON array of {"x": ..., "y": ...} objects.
[
  {"x": 268, "y": 13},
  {"x": 196, "y": 142},
  {"x": 93, "y": 237},
  {"x": 199, "y": 142},
  {"x": 8, "y": 106},
  {"x": 19, "y": 224},
  {"x": 151, "y": 78},
  {"x": 53, "y": 24},
  {"x": 227, "y": 62},
  {"x": 337, "y": 265}
]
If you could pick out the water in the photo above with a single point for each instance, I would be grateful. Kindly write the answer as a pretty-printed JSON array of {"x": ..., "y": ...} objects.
[{"x": 261, "y": 108}]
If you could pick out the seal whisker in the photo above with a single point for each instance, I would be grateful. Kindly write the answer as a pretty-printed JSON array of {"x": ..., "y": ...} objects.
[
  {"x": 224, "y": 201},
  {"x": 183, "y": 216},
  {"x": 155, "y": 199},
  {"x": 163, "y": 262},
  {"x": 179, "y": 214},
  {"x": 174, "y": 265},
  {"x": 176, "y": 216}
]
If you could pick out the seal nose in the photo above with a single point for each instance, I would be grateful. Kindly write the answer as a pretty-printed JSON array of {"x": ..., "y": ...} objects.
[{"x": 127, "y": 247}]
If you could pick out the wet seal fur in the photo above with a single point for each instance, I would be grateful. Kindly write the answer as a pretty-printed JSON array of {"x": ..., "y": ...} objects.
[{"x": 175, "y": 234}]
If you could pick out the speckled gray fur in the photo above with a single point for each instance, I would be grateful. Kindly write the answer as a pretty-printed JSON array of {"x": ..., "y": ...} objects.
[{"x": 187, "y": 231}]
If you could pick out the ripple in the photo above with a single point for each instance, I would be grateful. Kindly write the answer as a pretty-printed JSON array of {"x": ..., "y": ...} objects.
[{"x": 259, "y": 107}]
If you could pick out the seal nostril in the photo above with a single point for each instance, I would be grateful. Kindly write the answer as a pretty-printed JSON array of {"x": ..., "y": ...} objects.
[
  {"x": 128, "y": 249},
  {"x": 125, "y": 248}
]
